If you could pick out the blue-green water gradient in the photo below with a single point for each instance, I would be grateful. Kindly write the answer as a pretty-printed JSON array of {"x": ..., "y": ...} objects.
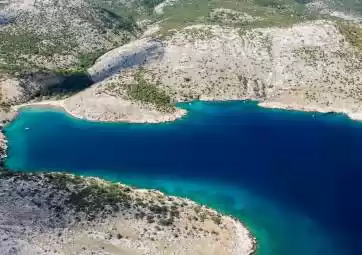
[{"x": 294, "y": 178}]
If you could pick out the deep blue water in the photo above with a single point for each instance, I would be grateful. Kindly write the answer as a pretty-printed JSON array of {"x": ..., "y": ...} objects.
[{"x": 294, "y": 178}]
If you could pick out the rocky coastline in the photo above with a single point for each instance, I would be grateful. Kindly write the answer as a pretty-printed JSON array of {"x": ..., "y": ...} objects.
[
  {"x": 3, "y": 139},
  {"x": 313, "y": 108},
  {"x": 129, "y": 113},
  {"x": 58, "y": 213},
  {"x": 3, "y": 147}
]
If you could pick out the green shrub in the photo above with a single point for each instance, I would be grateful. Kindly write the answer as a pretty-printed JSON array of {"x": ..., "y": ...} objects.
[
  {"x": 148, "y": 93},
  {"x": 352, "y": 33},
  {"x": 216, "y": 219}
]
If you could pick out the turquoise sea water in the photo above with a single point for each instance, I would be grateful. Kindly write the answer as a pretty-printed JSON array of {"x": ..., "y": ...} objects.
[{"x": 294, "y": 178}]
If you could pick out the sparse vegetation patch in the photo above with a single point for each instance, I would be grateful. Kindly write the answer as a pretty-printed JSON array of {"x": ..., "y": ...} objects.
[
  {"x": 146, "y": 92},
  {"x": 352, "y": 33}
]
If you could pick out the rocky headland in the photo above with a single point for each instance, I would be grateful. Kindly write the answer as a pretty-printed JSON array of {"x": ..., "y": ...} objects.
[{"x": 57, "y": 213}]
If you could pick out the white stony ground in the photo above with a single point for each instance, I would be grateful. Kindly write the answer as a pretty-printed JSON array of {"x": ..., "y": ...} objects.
[
  {"x": 101, "y": 106},
  {"x": 108, "y": 108},
  {"x": 329, "y": 7},
  {"x": 10, "y": 88},
  {"x": 309, "y": 66},
  {"x": 159, "y": 8},
  {"x": 128, "y": 56},
  {"x": 349, "y": 17},
  {"x": 61, "y": 214}
]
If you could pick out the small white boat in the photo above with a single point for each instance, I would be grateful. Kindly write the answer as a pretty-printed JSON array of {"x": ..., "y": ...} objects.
[{"x": 26, "y": 129}]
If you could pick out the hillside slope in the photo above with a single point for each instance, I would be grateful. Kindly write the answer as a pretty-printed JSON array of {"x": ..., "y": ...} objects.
[
  {"x": 46, "y": 46},
  {"x": 314, "y": 65},
  {"x": 59, "y": 33}
]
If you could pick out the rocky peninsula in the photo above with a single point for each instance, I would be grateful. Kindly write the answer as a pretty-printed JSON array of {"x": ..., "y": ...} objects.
[{"x": 57, "y": 213}]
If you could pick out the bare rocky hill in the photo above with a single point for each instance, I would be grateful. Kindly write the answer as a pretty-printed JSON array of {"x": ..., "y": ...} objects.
[{"x": 314, "y": 65}]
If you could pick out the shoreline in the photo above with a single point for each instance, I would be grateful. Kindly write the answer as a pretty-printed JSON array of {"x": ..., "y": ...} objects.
[
  {"x": 60, "y": 104},
  {"x": 356, "y": 116},
  {"x": 220, "y": 231},
  {"x": 181, "y": 113}
]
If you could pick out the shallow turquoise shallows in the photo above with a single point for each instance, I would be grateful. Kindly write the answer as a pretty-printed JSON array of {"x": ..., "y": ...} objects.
[{"x": 294, "y": 178}]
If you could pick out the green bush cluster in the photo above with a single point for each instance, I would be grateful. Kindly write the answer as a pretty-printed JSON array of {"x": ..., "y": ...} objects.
[
  {"x": 278, "y": 4},
  {"x": 95, "y": 197},
  {"x": 117, "y": 22},
  {"x": 148, "y": 93},
  {"x": 352, "y": 33},
  {"x": 20, "y": 42}
]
